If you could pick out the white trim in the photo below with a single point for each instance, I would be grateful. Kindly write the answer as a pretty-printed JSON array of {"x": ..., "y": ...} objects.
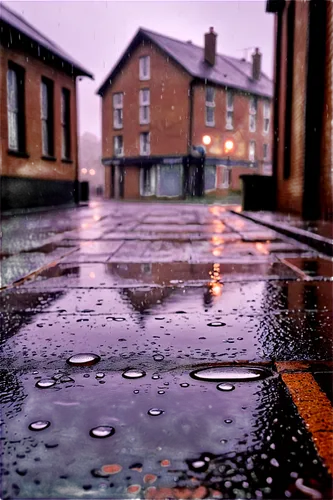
[
  {"x": 152, "y": 181},
  {"x": 144, "y": 143}
]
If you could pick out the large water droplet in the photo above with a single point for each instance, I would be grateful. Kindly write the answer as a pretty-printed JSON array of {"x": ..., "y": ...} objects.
[
  {"x": 230, "y": 373},
  {"x": 103, "y": 431},
  {"x": 216, "y": 323},
  {"x": 155, "y": 412},
  {"x": 134, "y": 374},
  {"x": 158, "y": 357},
  {"x": 84, "y": 359},
  {"x": 45, "y": 383},
  {"x": 225, "y": 387},
  {"x": 100, "y": 375},
  {"x": 39, "y": 425}
]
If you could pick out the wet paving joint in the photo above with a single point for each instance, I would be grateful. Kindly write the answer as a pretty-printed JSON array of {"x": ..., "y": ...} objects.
[{"x": 179, "y": 351}]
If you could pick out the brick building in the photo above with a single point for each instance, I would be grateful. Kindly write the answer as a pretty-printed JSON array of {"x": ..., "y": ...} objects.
[
  {"x": 164, "y": 101},
  {"x": 303, "y": 138},
  {"x": 38, "y": 142}
]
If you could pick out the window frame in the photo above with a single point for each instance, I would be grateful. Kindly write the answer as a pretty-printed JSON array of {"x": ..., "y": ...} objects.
[
  {"x": 209, "y": 106},
  {"x": 265, "y": 156},
  {"x": 253, "y": 108},
  {"x": 151, "y": 169},
  {"x": 266, "y": 116},
  {"x": 20, "y": 125},
  {"x": 116, "y": 146},
  {"x": 142, "y": 75},
  {"x": 226, "y": 172},
  {"x": 142, "y": 135},
  {"x": 252, "y": 158},
  {"x": 118, "y": 110},
  {"x": 47, "y": 149},
  {"x": 229, "y": 117},
  {"x": 65, "y": 124},
  {"x": 144, "y": 105}
]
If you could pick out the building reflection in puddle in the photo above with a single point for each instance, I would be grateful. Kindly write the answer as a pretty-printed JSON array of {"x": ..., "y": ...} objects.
[{"x": 214, "y": 287}]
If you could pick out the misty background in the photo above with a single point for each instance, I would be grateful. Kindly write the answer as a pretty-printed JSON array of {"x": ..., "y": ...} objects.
[{"x": 96, "y": 33}]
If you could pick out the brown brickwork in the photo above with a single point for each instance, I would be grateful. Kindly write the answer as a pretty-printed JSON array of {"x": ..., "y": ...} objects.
[
  {"x": 305, "y": 186},
  {"x": 34, "y": 167},
  {"x": 171, "y": 132}
]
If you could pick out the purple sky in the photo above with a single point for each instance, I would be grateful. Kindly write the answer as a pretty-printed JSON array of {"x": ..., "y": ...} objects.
[{"x": 95, "y": 33}]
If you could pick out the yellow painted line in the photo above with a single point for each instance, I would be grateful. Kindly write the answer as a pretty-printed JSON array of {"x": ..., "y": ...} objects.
[
  {"x": 296, "y": 269},
  {"x": 313, "y": 406}
]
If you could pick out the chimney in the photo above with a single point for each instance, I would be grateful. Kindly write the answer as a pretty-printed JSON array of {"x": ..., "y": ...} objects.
[
  {"x": 256, "y": 65},
  {"x": 210, "y": 47}
]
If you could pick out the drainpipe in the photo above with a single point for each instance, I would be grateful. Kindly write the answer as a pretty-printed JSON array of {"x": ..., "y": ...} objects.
[{"x": 189, "y": 142}]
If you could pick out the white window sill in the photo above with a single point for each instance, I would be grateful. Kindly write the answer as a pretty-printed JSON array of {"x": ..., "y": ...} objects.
[
  {"x": 229, "y": 127},
  {"x": 210, "y": 124},
  {"x": 144, "y": 123},
  {"x": 117, "y": 127},
  {"x": 144, "y": 78}
]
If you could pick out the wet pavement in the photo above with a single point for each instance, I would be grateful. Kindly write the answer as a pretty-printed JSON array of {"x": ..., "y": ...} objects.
[{"x": 152, "y": 295}]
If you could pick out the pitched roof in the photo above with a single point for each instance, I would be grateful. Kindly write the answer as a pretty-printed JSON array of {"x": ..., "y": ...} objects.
[
  {"x": 14, "y": 20},
  {"x": 227, "y": 71}
]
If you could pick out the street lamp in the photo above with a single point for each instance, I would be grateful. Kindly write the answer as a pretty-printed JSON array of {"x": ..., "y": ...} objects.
[{"x": 228, "y": 148}]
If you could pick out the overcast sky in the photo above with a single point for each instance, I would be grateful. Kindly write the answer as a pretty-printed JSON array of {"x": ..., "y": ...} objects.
[{"x": 95, "y": 33}]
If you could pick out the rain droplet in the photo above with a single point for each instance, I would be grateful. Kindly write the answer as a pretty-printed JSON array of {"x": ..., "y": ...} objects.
[
  {"x": 155, "y": 412},
  {"x": 158, "y": 357},
  {"x": 216, "y": 323},
  {"x": 155, "y": 376},
  {"x": 225, "y": 387},
  {"x": 219, "y": 373},
  {"x": 45, "y": 383},
  {"x": 86, "y": 359},
  {"x": 103, "y": 431},
  {"x": 161, "y": 392},
  {"x": 184, "y": 384},
  {"x": 134, "y": 374},
  {"x": 136, "y": 391},
  {"x": 39, "y": 425},
  {"x": 100, "y": 375},
  {"x": 228, "y": 421},
  {"x": 274, "y": 462}
]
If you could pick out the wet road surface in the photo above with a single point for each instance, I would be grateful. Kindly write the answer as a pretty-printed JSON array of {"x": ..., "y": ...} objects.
[{"x": 153, "y": 294}]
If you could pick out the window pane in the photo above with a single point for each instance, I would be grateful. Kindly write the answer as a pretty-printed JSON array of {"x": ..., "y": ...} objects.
[
  {"x": 13, "y": 142},
  {"x": 210, "y": 94},
  {"x": 210, "y": 177},
  {"x": 229, "y": 118},
  {"x": 209, "y": 115},
  {"x": 230, "y": 100},
  {"x": 12, "y": 91},
  {"x": 45, "y": 138},
  {"x": 44, "y": 101},
  {"x": 170, "y": 180}
]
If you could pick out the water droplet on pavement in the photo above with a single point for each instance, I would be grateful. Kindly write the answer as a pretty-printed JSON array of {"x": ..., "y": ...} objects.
[
  {"x": 134, "y": 374},
  {"x": 155, "y": 412},
  {"x": 45, "y": 383},
  {"x": 215, "y": 374},
  {"x": 84, "y": 359},
  {"x": 225, "y": 387},
  {"x": 39, "y": 425},
  {"x": 102, "y": 431}
]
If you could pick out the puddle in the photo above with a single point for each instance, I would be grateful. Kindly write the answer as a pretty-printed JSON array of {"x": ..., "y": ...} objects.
[{"x": 230, "y": 373}]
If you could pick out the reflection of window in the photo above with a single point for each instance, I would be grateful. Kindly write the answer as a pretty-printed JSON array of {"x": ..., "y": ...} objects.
[
  {"x": 118, "y": 145},
  {"x": 230, "y": 110},
  {"x": 252, "y": 150},
  {"x": 265, "y": 152},
  {"x": 144, "y": 110},
  {"x": 15, "y": 108},
  {"x": 226, "y": 177},
  {"x": 144, "y": 68},
  {"x": 210, "y": 177},
  {"x": 210, "y": 106},
  {"x": 170, "y": 179},
  {"x": 253, "y": 114},
  {"x": 145, "y": 143},
  {"x": 148, "y": 181},
  {"x": 118, "y": 101},
  {"x": 47, "y": 113}
]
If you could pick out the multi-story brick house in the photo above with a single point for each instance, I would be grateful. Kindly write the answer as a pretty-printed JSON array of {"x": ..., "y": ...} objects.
[
  {"x": 164, "y": 99},
  {"x": 38, "y": 140},
  {"x": 303, "y": 120}
]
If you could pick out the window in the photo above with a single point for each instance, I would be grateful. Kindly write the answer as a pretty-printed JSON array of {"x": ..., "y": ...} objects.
[
  {"x": 15, "y": 108},
  {"x": 118, "y": 145},
  {"x": 148, "y": 181},
  {"x": 144, "y": 68},
  {"x": 65, "y": 125},
  {"x": 230, "y": 111},
  {"x": 226, "y": 177},
  {"x": 145, "y": 144},
  {"x": 267, "y": 115},
  {"x": 118, "y": 101},
  {"x": 252, "y": 150},
  {"x": 210, "y": 106},
  {"x": 144, "y": 102},
  {"x": 47, "y": 113},
  {"x": 253, "y": 114},
  {"x": 170, "y": 180},
  {"x": 265, "y": 152},
  {"x": 210, "y": 177}
]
